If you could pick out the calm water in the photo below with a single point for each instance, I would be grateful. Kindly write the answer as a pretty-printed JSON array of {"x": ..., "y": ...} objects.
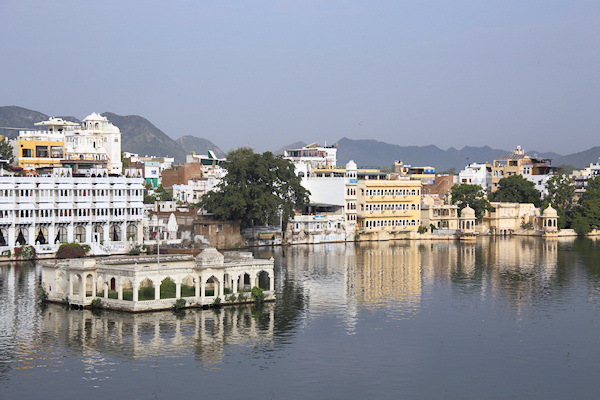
[{"x": 508, "y": 318}]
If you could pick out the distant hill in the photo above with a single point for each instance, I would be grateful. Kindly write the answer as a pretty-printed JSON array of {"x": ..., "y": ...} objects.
[
  {"x": 140, "y": 136},
  {"x": 297, "y": 145},
  {"x": 199, "y": 145},
  {"x": 373, "y": 153},
  {"x": 581, "y": 159},
  {"x": 18, "y": 117}
]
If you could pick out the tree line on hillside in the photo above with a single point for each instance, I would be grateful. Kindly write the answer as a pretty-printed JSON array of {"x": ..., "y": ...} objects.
[{"x": 582, "y": 215}]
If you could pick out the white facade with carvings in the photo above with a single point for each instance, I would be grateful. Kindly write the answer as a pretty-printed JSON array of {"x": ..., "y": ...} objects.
[
  {"x": 124, "y": 282},
  {"x": 102, "y": 211}
]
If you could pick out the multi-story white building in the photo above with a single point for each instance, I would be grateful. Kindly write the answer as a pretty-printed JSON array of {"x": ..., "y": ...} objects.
[
  {"x": 91, "y": 208},
  {"x": 95, "y": 139},
  {"x": 311, "y": 157},
  {"x": 475, "y": 174},
  {"x": 193, "y": 190},
  {"x": 582, "y": 177}
]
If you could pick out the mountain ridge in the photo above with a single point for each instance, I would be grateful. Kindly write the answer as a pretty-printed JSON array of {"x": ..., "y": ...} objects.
[{"x": 138, "y": 134}]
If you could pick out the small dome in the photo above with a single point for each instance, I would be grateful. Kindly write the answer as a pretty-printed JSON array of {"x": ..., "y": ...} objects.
[
  {"x": 95, "y": 117},
  {"x": 550, "y": 212},
  {"x": 351, "y": 166},
  {"x": 210, "y": 257},
  {"x": 467, "y": 212}
]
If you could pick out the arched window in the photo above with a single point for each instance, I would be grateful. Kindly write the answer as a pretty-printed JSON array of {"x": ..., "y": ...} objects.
[
  {"x": 98, "y": 233},
  {"x": 132, "y": 232},
  {"x": 41, "y": 235},
  {"x": 3, "y": 237},
  {"x": 22, "y": 235},
  {"x": 80, "y": 234},
  {"x": 61, "y": 235},
  {"x": 115, "y": 233}
]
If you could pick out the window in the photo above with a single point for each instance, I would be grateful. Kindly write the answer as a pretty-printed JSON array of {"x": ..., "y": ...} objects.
[
  {"x": 80, "y": 234},
  {"x": 132, "y": 232},
  {"x": 61, "y": 235},
  {"x": 115, "y": 233},
  {"x": 41, "y": 235}
]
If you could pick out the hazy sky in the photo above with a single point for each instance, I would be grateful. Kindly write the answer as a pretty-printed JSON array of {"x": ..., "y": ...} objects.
[{"x": 269, "y": 73}]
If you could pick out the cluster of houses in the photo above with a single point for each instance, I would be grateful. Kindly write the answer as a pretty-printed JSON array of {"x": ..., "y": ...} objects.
[{"x": 76, "y": 187}]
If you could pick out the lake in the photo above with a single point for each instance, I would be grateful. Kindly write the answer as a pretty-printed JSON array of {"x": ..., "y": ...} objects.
[{"x": 504, "y": 318}]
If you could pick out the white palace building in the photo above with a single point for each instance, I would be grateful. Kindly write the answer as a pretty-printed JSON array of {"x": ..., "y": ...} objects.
[{"x": 71, "y": 204}]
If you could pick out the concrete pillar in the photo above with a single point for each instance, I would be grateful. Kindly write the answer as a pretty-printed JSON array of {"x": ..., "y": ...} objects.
[
  {"x": 178, "y": 289},
  {"x": 88, "y": 233},
  {"x": 94, "y": 283},
  {"x": 157, "y": 291},
  {"x": 236, "y": 283},
  {"x": 124, "y": 231},
  {"x": 202, "y": 291},
  {"x": 71, "y": 277},
  {"x": 136, "y": 288},
  {"x": 82, "y": 288},
  {"x": 31, "y": 234},
  {"x": 271, "y": 282},
  {"x": 120, "y": 290},
  {"x": 197, "y": 286},
  {"x": 70, "y": 236},
  {"x": 105, "y": 290},
  {"x": 221, "y": 287}
]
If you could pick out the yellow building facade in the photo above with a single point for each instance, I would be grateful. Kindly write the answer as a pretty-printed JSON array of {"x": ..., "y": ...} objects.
[
  {"x": 388, "y": 205},
  {"x": 36, "y": 149}
]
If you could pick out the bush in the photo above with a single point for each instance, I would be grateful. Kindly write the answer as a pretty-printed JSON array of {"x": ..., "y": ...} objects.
[
  {"x": 71, "y": 250},
  {"x": 241, "y": 297},
  {"x": 179, "y": 304},
  {"x": 96, "y": 303},
  {"x": 25, "y": 253},
  {"x": 217, "y": 301},
  {"x": 258, "y": 295},
  {"x": 135, "y": 250},
  {"x": 421, "y": 229},
  {"x": 231, "y": 298},
  {"x": 42, "y": 294}
]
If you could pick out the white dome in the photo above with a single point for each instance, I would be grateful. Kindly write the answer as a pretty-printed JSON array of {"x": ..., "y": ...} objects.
[
  {"x": 550, "y": 212},
  {"x": 467, "y": 212}
]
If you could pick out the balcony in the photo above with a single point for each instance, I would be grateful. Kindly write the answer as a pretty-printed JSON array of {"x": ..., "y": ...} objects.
[{"x": 100, "y": 218}]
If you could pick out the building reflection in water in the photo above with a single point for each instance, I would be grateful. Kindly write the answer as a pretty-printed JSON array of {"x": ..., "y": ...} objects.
[
  {"x": 161, "y": 334},
  {"x": 324, "y": 272},
  {"x": 334, "y": 281},
  {"x": 389, "y": 275}
]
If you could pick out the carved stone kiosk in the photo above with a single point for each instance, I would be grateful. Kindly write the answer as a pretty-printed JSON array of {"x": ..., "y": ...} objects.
[{"x": 152, "y": 283}]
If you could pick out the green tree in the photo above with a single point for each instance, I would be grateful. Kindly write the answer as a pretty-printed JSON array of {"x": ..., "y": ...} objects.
[
  {"x": 124, "y": 160},
  {"x": 156, "y": 194},
  {"x": 6, "y": 151},
  {"x": 516, "y": 189},
  {"x": 449, "y": 171},
  {"x": 256, "y": 189},
  {"x": 471, "y": 195},
  {"x": 560, "y": 196},
  {"x": 586, "y": 216}
]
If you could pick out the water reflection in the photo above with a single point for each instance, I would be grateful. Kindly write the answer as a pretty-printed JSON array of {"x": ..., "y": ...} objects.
[
  {"x": 165, "y": 334},
  {"x": 389, "y": 275},
  {"x": 339, "y": 283}
]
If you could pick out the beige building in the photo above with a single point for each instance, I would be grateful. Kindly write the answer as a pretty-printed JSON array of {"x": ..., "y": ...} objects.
[
  {"x": 507, "y": 218},
  {"x": 536, "y": 170},
  {"x": 441, "y": 216},
  {"x": 388, "y": 205}
]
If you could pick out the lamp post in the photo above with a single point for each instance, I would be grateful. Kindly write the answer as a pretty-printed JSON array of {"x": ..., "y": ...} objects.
[{"x": 158, "y": 246}]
